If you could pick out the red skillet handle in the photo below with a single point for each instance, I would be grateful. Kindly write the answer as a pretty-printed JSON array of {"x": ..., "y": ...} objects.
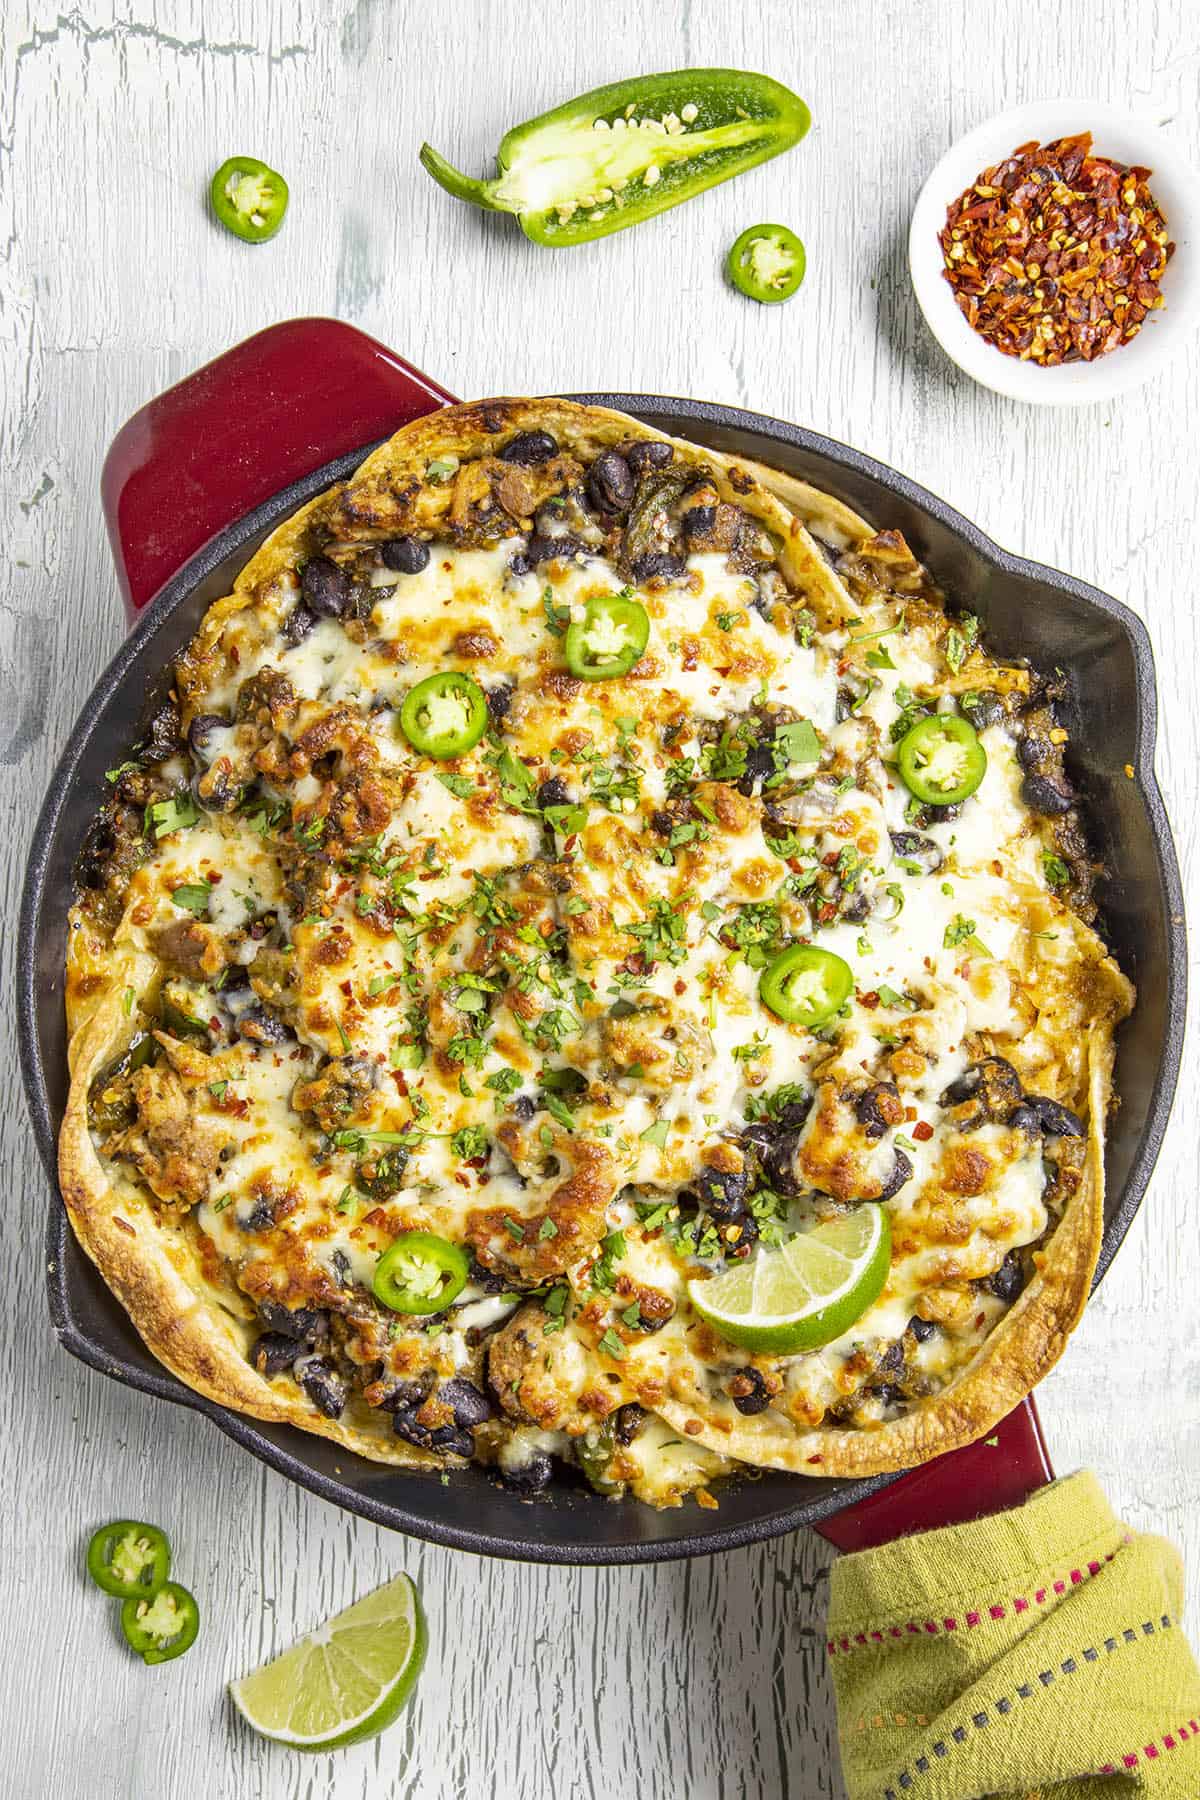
[
  {"x": 999, "y": 1471},
  {"x": 240, "y": 429},
  {"x": 244, "y": 427}
]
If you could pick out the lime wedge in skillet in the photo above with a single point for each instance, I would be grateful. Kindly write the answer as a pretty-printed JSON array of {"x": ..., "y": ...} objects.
[
  {"x": 805, "y": 1293},
  {"x": 345, "y": 1681}
]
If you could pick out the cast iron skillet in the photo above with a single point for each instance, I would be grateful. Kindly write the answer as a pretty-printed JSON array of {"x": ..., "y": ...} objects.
[{"x": 1027, "y": 610}]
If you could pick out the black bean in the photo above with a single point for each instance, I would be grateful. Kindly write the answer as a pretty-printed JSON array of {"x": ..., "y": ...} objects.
[
  {"x": 1050, "y": 795},
  {"x": 469, "y": 1406},
  {"x": 529, "y": 448},
  {"x": 273, "y": 1352},
  {"x": 261, "y": 1217},
  {"x": 993, "y": 1082},
  {"x": 304, "y": 1323},
  {"x": 530, "y": 1477},
  {"x": 162, "y": 739},
  {"x": 760, "y": 765},
  {"x": 724, "y": 1195},
  {"x": 753, "y": 1396},
  {"x": 662, "y": 824},
  {"x": 610, "y": 483},
  {"x": 325, "y": 587},
  {"x": 628, "y": 1420},
  {"x": 915, "y": 848},
  {"x": 201, "y": 730},
  {"x": 297, "y": 625},
  {"x": 1055, "y": 1120},
  {"x": 324, "y": 1387},
  {"x": 545, "y": 549},
  {"x": 259, "y": 1025},
  {"x": 342, "y": 1269},
  {"x": 1008, "y": 1280},
  {"x": 648, "y": 453},
  {"x": 737, "y": 1234},
  {"x": 983, "y": 709},
  {"x": 409, "y": 555},
  {"x": 1024, "y": 1118},
  {"x": 1033, "y": 750},
  {"x": 868, "y": 1109},
  {"x": 886, "y": 1392},
  {"x": 553, "y": 792},
  {"x": 901, "y": 1172},
  {"x": 658, "y": 565},
  {"x": 448, "y": 1439},
  {"x": 698, "y": 521},
  {"x": 922, "y": 1329},
  {"x": 524, "y": 1106},
  {"x": 778, "y": 1160},
  {"x": 488, "y": 1279},
  {"x": 216, "y": 789},
  {"x": 892, "y": 1359},
  {"x": 405, "y": 1396},
  {"x": 858, "y": 909},
  {"x": 499, "y": 700}
]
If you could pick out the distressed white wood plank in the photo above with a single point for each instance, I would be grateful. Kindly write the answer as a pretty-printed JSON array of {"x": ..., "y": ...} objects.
[{"x": 709, "y": 1679}]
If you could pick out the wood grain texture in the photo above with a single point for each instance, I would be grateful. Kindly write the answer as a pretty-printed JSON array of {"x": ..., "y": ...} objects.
[{"x": 709, "y": 1679}]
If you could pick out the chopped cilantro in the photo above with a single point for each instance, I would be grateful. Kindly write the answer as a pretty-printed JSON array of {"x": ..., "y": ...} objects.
[
  {"x": 470, "y": 1142},
  {"x": 174, "y": 814},
  {"x": 547, "y": 1229},
  {"x": 557, "y": 617},
  {"x": 1055, "y": 869},
  {"x": 656, "y": 1134},
  {"x": 460, "y": 785},
  {"x": 612, "y": 1346}
]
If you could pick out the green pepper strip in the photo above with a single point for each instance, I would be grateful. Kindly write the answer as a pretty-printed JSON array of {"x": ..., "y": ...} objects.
[
  {"x": 249, "y": 198},
  {"x": 129, "y": 1559},
  {"x": 163, "y": 1627},
  {"x": 805, "y": 985},
  {"x": 445, "y": 715},
  {"x": 622, "y": 153},
  {"x": 608, "y": 640},
  {"x": 420, "y": 1273},
  {"x": 941, "y": 760},
  {"x": 767, "y": 263}
]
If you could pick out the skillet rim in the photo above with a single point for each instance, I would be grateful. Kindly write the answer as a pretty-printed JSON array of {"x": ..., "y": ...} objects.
[{"x": 31, "y": 978}]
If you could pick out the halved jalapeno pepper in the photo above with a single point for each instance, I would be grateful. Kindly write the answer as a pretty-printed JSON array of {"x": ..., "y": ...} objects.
[
  {"x": 420, "y": 1273},
  {"x": 767, "y": 263},
  {"x": 941, "y": 759},
  {"x": 444, "y": 715},
  {"x": 608, "y": 640},
  {"x": 621, "y": 153},
  {"x": 163, "y": 1627},
  {"x": 805, "y": 985},
  {"x": 249, "y": 198},
  {"x": 129, "y": 1559}
]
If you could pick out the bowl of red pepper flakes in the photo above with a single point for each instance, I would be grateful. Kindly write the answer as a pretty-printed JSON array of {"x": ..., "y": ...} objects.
[{"x": 1053, "y": 252}]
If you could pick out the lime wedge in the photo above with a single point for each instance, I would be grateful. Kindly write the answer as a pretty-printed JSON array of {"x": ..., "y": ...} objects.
[
  {"x": 343, "y": 1682},
  {"x": 807, "y": 1292}
]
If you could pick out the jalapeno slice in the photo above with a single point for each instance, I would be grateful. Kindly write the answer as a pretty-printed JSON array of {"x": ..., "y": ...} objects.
[
  {"x": 249, "y": 198},
  {"x": 766, "y": 263},
  {"x": 941, "y": 759},
  {"x": 608, "y": 640},
  {"x": 444, "y": 715},
  {"x": 805, "y": 985},
  {"x": 621, "y": 153},
  {"x": 420, "y": 1273},
  {"x": 162, "y": 1627},
  {"x": 129, "y": 1559}
]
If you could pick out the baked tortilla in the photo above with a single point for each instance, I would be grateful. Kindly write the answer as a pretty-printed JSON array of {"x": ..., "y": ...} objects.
[{"x": 568, "y": 1381}]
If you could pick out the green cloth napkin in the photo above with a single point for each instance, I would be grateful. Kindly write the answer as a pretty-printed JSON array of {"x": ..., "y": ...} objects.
[{"x": 1035, "y": 1655}]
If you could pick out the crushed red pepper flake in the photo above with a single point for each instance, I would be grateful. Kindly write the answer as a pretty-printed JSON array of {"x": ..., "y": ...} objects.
[{"x": 1055, "y": 255}]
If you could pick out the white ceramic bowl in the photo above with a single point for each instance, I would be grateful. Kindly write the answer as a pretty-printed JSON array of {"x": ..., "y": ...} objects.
[{"x": 1116, "y": 134}]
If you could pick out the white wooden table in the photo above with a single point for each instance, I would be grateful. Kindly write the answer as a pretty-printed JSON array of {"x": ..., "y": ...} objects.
[{"x": 706, "y": 1680}]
